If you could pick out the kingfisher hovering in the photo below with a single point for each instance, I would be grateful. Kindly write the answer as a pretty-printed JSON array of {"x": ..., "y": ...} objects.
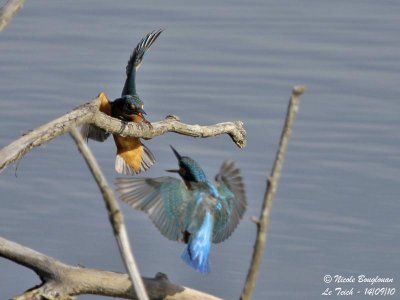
[
  {"x": 194, "y": 211},
  {"x": 132, "y": 156}
]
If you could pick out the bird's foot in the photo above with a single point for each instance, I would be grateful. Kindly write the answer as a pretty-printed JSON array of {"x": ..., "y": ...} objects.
[{"x": 148, "y": 123}]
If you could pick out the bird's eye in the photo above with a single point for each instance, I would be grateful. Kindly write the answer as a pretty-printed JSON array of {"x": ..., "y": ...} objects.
[
  {"x": 182, "y": 171},
  {"x": 133, "y": 106}
]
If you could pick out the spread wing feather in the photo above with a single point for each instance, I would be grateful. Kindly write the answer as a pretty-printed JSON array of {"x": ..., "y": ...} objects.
[
  {"x": 164, "y": 199},
  {"x": 136, "y": 60},
  {"x": 232, "y": 199}
]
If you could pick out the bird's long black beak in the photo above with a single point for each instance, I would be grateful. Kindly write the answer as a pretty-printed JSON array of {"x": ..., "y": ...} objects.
[
  {"x": 178, "y": 156},
  {"x": 172, "y": 171}
]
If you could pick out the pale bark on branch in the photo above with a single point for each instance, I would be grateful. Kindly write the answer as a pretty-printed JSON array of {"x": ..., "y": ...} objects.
[
  {"x": 63, "y": 282},
  {"x": 8, "y": 11},
  {"x": 89, "y": 113},
  {"x": 269, "y": 197},
  {"x": 114, "y": 213},
  {"x": 60, "y": 279}
]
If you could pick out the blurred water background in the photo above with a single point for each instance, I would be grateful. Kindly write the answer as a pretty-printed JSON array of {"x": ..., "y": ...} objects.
[{"x": 337, "y": 207}]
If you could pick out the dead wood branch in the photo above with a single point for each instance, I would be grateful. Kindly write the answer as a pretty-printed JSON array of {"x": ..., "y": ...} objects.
[
  {"x": 115, "y": 215},
  {"x": 272, "y": 186},
  {"x": 89, "y": 113},
  {"x": 61, "y": 281},
  {"x": 8, "y": 11}
]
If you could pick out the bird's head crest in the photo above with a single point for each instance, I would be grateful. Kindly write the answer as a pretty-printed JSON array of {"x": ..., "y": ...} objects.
[
  {"x": 134, "y": 105},
  {"x": 189, "y": 169}
]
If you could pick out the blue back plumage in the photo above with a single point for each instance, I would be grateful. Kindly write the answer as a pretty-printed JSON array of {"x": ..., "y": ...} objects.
[{"x": 195, "y": 210}]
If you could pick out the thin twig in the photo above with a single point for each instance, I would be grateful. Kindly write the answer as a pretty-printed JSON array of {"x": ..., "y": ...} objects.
[
  {"x": 269, "y": 197},
  {"x": 8, "y": 11},
  {"x": 89, "y": 113},
  {"x": 115, "y": 215}
]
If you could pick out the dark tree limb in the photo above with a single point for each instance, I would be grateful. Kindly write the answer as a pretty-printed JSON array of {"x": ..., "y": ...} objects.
[
  {"x": 115, "y": 215},
  {"x": 63, "y": 282},
  {"x": 89, "y": 113},
  {"x": 8, "y": 11},
  {"x": 269, "y": 197}
]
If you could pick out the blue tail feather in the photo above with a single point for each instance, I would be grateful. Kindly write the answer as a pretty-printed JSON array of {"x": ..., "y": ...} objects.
[{"x": 197, "y": 252}]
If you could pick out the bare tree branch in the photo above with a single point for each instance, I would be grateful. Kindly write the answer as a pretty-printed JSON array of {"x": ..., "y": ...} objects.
[
  {"x": 272, "y": 187},
  {"x": 8, "y": 11},
  {"x": 89, "y": 113},
  {"x": 61, "y": 281},
  {"x": 114, "y": 213}
]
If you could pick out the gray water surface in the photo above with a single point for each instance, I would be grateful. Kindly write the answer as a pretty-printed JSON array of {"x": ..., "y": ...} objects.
[{"x": 337, "y": 207}]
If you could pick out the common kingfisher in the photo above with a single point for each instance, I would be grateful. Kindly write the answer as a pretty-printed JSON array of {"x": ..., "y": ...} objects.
[
  {"x": 194, "y": 211},
  {"x": 132, "y": 156}
]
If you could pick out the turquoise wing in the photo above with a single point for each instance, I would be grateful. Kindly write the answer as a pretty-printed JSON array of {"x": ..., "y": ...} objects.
[
  {"x": 232, "y": 201},
  {"x": 165, "y": 199}
]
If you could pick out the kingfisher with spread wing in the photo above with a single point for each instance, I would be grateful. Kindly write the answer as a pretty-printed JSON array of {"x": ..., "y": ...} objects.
[
  {"x": 132, "y": 156},
  {"x": 193, "y": 210}
]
